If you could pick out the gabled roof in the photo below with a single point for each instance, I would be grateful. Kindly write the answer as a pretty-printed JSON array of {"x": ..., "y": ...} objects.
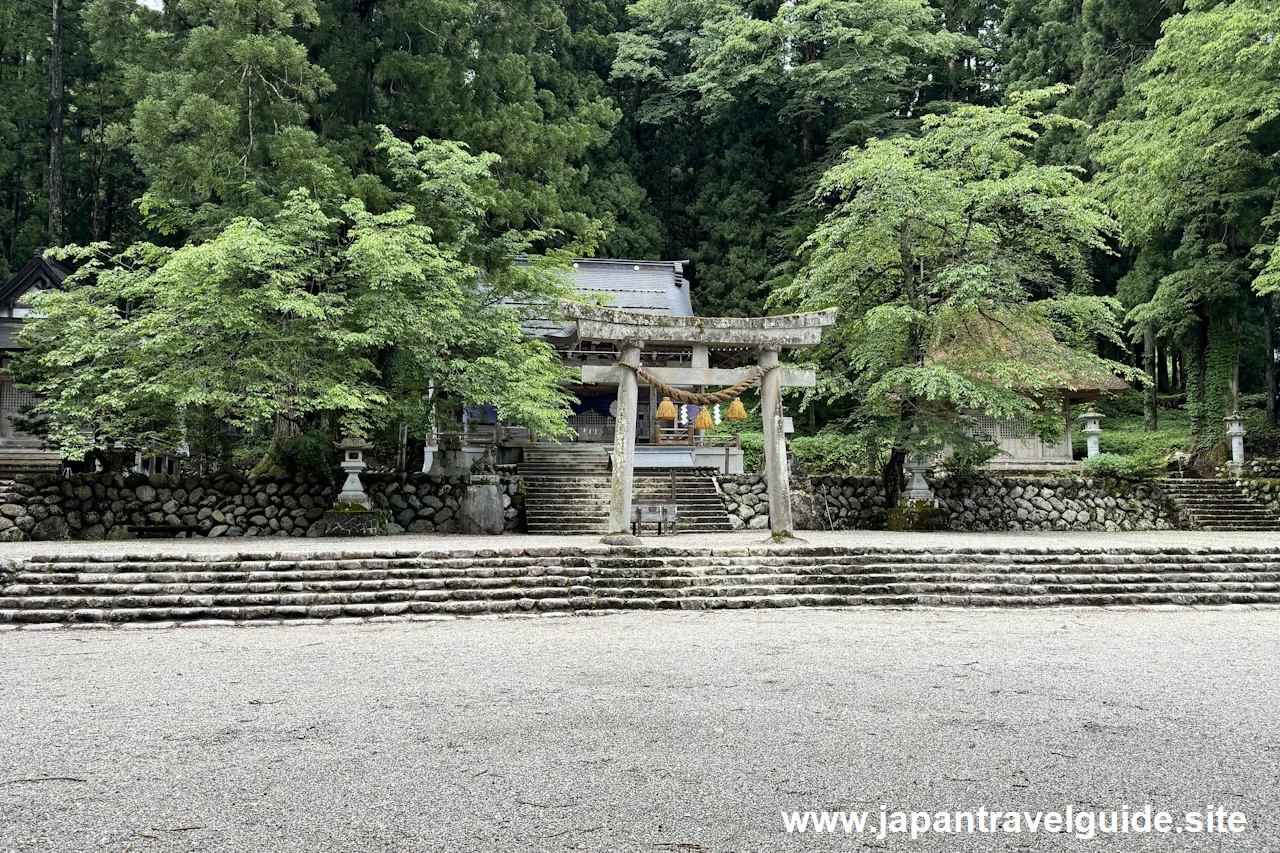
[{"x": 38, "y": 272}]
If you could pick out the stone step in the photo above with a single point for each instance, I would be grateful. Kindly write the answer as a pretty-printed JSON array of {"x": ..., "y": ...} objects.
[
  {"x": 39, "y": 596},
  {"x": 249, "y": 584},
  {"x": 569, "y": 506},
  {"x": 656, "y": 557},
  {"x": 490, "y": 574},
  {"x": 427, "y": 600},
  {"x": 588, "y": 604}
]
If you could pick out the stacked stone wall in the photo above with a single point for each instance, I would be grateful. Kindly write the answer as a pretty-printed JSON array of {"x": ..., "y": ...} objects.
[
  {"x": 1265, "y": 491},
  {"x": 745, "y": 500},
  {"x": 1058, "y": 503},
  {"x": 104, "y": 506},
  {"x": 419, "y": 503},
  {"x": 850, "y": 503},
  {"x": 979, "y": 503},
  {"x": 1261, "y": 469}
]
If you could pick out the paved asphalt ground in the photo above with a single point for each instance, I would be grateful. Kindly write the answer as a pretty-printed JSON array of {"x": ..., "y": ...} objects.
[{"x": 684, "y": 732}]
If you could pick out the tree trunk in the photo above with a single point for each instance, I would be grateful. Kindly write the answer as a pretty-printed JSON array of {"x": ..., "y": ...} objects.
[
  {"x": 894, "y": 478},
  {"x": 1163, "y": 384},
  {"x": 1196, "y": 367},
  {"x": 272, "y": 462},
  {"x": 1152, "y": 422},
  {"x": 1269, "y": 358},
  {"x": 55, "y": 129}
]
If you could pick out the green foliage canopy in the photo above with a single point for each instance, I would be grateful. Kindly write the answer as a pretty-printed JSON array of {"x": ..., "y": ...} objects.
[
  {"x": 355, "y": 316},
  {"x": 960, "y": 268}
]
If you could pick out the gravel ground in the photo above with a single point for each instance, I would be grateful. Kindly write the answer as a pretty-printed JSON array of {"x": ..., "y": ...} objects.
[
  {"x": 642, "y": 732},
  {"x": 260, "y": 545}
]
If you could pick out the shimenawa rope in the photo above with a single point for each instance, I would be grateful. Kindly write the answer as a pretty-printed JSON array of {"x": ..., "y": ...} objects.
[{"x": 690, "y": 398}]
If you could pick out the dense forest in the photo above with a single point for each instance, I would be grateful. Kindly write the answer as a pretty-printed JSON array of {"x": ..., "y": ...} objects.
[{"x": 1117, "y": 157}]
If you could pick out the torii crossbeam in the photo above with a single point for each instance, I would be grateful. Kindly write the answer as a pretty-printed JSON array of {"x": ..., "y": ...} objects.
[{"x": 631, "y": 330}]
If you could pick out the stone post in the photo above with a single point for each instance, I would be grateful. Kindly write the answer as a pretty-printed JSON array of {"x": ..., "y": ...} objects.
[
  {"x": 1235, "y": 434},
  {"x": 624, "y": 441},
  {"x": 775, "y": 445},
  {"x": 1092, "y": 429}
]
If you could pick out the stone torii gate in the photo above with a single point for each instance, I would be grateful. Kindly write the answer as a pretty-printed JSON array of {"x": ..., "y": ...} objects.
[{"x": 630, "y": 331}]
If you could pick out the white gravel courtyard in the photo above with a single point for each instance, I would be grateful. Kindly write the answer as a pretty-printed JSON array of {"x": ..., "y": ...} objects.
[{"x": 682, "y": 732}]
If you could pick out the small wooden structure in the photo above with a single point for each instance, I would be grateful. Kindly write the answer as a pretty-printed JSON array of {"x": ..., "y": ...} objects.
[{"x": 974, "y": 342}]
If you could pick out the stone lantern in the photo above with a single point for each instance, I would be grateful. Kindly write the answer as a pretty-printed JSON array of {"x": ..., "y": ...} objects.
[
  {"x": 1092, "y": 429},
  {"x": 918, "y": 489},
  {"x": 1235, "y": 434},
  {"x": 352, "y": 462}
]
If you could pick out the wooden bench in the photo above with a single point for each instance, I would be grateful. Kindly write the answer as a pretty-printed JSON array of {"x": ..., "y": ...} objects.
[
  {"x": 146, "y": 531},
  {"x": 659, "y": 514}
]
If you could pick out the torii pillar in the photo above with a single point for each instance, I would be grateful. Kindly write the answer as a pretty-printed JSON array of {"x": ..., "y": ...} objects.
[
  {"x": 624, "y": 441},
  {"x": 777, "y": 477}
]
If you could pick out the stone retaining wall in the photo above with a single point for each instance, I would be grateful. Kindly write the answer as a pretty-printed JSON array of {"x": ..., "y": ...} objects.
[
  {"x": 850, "y": 503},
  {"x": 104, "y": 506},
  {"x": 419, "y": 503},
  {"x": 1264, "y": 491},
  {"x": 745, "y": 500},
  {"x": 1058, "y": 503},
  {"x": 1266, "y": 469},
  {"x": 979, "y": 503}
]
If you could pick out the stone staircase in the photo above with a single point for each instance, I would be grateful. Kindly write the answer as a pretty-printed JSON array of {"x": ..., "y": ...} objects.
[
  {"x": 701, "y": 509},
  {"x": 567, "y": 491},
  {"x": 566, "y": 488},
  {"x": 577, "y": 578},
  {"x": 17, "y": 460},
  {"x": 1216, "y": 505}
]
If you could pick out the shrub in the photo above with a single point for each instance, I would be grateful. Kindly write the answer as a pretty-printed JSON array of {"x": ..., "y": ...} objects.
[
  {"x": 752, "y": 451},
  {"x": 829, "y": 453},
  {"x": 966, "y": 456},
  {"x": 309, "y": 453},
  {"x": 1119, "y": 467}
]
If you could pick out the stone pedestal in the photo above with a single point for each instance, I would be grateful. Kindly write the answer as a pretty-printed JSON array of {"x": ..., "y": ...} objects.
[
  {"x": 351, "y": 523},
  {"x": 480, "y": 513},
  {"x": 449, "y": 463}
]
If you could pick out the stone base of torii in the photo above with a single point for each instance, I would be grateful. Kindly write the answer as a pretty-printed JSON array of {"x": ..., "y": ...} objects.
[{"x": 631, "y": 331}]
